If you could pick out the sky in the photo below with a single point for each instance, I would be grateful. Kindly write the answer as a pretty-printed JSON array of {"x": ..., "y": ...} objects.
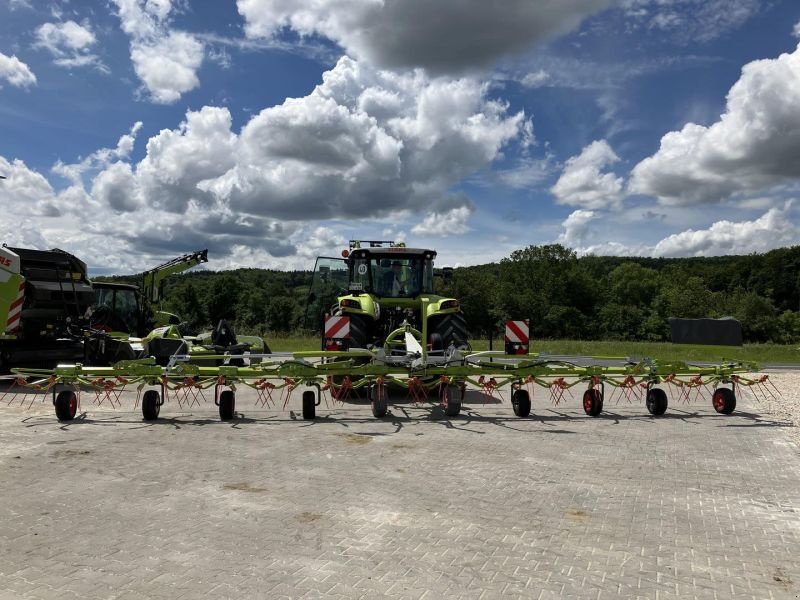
[{"x": 274, "y": 131}]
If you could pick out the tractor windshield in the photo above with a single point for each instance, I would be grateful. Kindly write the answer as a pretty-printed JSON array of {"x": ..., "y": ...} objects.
[{"x": 396, "y": 276}]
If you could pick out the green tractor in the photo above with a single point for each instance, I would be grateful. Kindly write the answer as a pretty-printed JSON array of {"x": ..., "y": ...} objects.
[
  {"x": 386, "y": 290},
  {"x": 134, "y": 325}
]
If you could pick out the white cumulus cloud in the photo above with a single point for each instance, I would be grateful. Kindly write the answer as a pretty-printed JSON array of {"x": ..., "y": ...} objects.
[
  {"x": 70, "y": 44},
  {"x": 445, "y": 36},
  {"x": 166, "y": 61},
  {"x": 582, "y": 183},
  {"x": 773, "y": 229},
  {"x": 451, "y": 222},
  {"x": 753, "y": 146},
  {"x": 16, "y": 72},
  {"x": 576, "y": 227}
]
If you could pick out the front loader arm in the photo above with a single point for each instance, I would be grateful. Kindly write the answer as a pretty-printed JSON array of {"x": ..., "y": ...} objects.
[{"x": 153, "y": 279}]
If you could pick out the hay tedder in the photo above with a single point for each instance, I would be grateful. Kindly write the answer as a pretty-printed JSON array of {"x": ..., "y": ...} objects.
[
  {"x": 417, "y": 375},
  {"x": 387, "y": 335}
]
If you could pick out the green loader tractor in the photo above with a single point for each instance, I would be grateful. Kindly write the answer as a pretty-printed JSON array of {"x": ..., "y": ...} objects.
[{"x": 386, "y": 290}]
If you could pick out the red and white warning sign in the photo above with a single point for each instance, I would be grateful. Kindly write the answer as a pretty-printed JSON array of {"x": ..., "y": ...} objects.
[
  {"x": 15, "y": 310},
  {"x": 337, "y": 328},
  {"x": 517, "y": 337}
]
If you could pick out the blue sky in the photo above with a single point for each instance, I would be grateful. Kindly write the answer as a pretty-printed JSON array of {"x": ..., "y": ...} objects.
[{"x": 271, "y": 131}]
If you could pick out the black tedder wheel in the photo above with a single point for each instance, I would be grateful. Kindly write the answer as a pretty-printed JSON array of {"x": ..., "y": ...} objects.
[
  {"x": 309, "y": 405},
  {"x": 592, "y": 402},
  {"x": 378, "y": 400},
  {"x": 451, "y": 398},
  {"x": 151, "y": 405},
  {"x": 656, "y": 401},
  {"x": 66, "y": 405},
  {"x": 521, "y": 402},
  {"x": 724, "y": 401},
  {"x": 227, "y": 405}
]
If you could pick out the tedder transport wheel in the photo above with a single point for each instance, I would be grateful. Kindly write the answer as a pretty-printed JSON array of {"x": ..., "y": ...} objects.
[
  {"x": 151, "y": 405},
  {"x": 724, "y": 401},
  {"x": 451, "y": 399},
  {"x": 592, "y": 402},
  {"x": 66, "y": 405},
  {"x": 656, "y": 401},
  {"x": 521, "y": 403},
  {"x": 377, "y": 397},
  {"x": 227, "y": 404},
  {"x": 309, "y": 405}
]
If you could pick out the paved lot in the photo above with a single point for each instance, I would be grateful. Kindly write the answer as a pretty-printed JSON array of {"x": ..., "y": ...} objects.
[{"x": 690, "y": 505}]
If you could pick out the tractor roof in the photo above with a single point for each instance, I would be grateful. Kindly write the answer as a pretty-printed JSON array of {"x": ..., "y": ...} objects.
[{"x": 398, "y": 251}]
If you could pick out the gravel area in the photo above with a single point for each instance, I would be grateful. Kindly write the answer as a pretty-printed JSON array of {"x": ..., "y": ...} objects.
[{"x": 780, "y": 398}]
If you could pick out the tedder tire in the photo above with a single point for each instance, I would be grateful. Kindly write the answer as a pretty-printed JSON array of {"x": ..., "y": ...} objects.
[
  {"x": 309, "y": 405},
  {"x": 521, "y": 403},
  {"x": 66, "y": 405},
  {"x": 656, "y": 401},
  {"x": 724, "y": 401},
  {"x": 151, "y": 405},
  {"x": 379, "y": 401},
  {"x": 451, "y": 399},
  {"x": 227, "y": 405},
  {"x": 592, "y": 402}
]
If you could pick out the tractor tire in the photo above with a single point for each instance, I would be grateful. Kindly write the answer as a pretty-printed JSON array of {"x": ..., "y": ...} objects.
[
  {"x": 656, "y": 402},
  {"x": 521, "y": 403},
  {"x": 151, "y": 405},
  {"x": 724, "y": 401},
  {"x": 436, "y": 342},
  {"x": 309, "y": 405},
  {"x": 66, "y": 405},
  {"x": 227, "y": 405},
  {"x": 453, "y": 329},
  {"x": 358, "y": 331},
  {"x": 592, "y": 402}
]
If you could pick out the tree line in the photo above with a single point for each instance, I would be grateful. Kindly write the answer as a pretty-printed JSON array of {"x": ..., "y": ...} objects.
[{"x": 564, "y": 296}]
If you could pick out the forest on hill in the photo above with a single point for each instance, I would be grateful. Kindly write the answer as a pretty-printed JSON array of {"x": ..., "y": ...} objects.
[{"x": 563, "y": 295}]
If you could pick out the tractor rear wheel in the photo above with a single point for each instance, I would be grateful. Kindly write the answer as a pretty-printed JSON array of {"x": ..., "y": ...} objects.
[{"x": 453, "y": 329}]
